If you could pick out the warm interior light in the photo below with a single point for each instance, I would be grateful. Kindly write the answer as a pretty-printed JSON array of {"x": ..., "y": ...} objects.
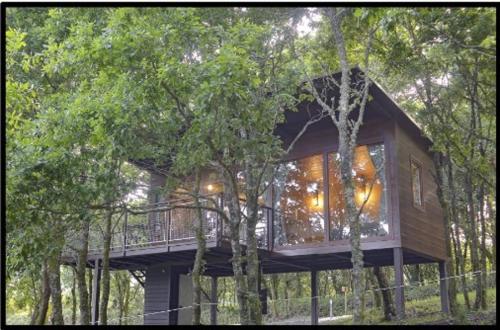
[
  {"x": 316, "y": 200},
  {"x": 210, "y": 187},
  {"x": 363, "y": 190}
]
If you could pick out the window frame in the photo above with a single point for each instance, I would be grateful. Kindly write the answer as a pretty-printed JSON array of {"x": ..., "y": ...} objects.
[
  {"x": 415, "y": 162},
  {"x": 383, "y": 139}
]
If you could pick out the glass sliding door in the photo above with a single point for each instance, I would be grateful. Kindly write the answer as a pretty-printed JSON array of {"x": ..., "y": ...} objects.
[
  {"x": 298, "y": 201},
  {"x": 370, "y": 193}
]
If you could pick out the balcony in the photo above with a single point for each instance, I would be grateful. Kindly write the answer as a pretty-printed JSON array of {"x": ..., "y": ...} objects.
[{"x": 170, "y": 226}]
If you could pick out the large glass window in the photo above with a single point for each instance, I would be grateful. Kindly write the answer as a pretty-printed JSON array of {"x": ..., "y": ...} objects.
[
  {"x": 370, "y": 193},
  {"x": 298, "y": 198}
]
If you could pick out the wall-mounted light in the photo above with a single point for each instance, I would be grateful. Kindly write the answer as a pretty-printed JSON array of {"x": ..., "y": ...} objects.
[
  {"x": 316, "y": 198},
  {"x": 210, "y": 187},
  {"x": 364, "y": 189}
]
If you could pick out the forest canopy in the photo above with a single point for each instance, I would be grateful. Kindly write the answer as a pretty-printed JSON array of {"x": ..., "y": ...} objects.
[{"x": 92, "y": 92}]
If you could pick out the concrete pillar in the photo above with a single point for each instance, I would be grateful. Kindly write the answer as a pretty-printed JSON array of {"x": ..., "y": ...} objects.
[
  {"x": 96, "y": 281},
  {"x": 443, "y": 287},
  {"x": 314, "y": 298},
  {"x": 399, "y": 300},
  {"x": 213, "y": 300}
]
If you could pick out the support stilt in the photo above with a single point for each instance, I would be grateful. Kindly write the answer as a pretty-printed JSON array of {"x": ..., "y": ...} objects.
[
  {"x": 213, "y": 300},
  {"x": 399, "y": 300},
  {"x": 314, "y": 297},
  {"x": 443, "y": 287},
  {"x": 96, "y": 281}
]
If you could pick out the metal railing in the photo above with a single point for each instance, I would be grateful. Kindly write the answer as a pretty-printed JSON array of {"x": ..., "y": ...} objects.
[{"x": 168, "y": 224}]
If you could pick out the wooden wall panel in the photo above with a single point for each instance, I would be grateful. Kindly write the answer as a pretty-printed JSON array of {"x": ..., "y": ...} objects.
[{"x": 422, "y": 230}]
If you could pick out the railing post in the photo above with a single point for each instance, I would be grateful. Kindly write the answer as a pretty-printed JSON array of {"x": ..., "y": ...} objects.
[
  {"x": 163, "y": 224},
  {"x": 125, "y": 225},
  {"x": 271, "y": 235},
  {"x": 168, "y": 225},
  {"x": 220, "y": 220}
]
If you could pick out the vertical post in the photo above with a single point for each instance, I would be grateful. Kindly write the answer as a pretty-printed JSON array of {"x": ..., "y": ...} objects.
[
  {"x": 399, "y": 291},
  {"x": 331, "y": 307},
  {"x": 168, "y": 225},
  {"x": 326, "y": 197},
  {"x": 213, "y": 300},
  {"x": 125, "y": 225},
  {"x": 269, "y": 222},
  {"x": 443, "y": 287},
  {"x": 96, "y": 279},
  {"x": 314, "y": 298},
  {"x": 164, "y": 226},
  {"x": 345, "y": 301}
]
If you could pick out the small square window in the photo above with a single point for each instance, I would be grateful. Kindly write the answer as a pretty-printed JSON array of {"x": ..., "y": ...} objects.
[{"x": 416, "y": 183}]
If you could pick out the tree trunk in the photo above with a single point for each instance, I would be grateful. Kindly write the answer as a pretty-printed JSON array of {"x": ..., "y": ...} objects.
[
  {"x": 43, "y": 305},
  {"x": 474, "y": 241},
  {"x": 126, "y": 300},
  {"x": 298, "y": 288},
  {"x": 445, "y": 205},
  {"x": 199, "y": 262},
  {"x": 73, "y": 297},
  {"x": 105, "y": 281},
  {"x": 253, "y": 267},
  {"x": 81, "y": 264},
  {"x": 348, "y": 130},
  {"x": 492, "y": 218},
  {"x": 232, "y": 202},
  {"x": 377, "y": 297},
  {"x": 484, "y": 269},
  {"x": 55, "y": 289},
  {"x": 389, "y": 310},
  {"x": 89, "y": 303},
  {"x": 460, "y": 260},
  {"x": 274, "y": 293}
]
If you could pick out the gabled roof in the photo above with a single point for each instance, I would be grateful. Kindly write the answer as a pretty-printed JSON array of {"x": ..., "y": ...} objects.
[{"x": 385, "y": 104}]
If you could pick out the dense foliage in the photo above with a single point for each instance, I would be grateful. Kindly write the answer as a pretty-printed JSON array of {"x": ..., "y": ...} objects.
[{"x": 90, "y": 89}]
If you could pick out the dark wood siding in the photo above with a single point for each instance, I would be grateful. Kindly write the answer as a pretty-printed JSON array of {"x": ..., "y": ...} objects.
[
  {"x": 422, "y": 229},
  {"x": 159, "y": 294}
]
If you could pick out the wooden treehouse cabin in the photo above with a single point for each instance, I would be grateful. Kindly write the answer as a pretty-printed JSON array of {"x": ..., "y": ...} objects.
[{"x": 302, "y": 226}]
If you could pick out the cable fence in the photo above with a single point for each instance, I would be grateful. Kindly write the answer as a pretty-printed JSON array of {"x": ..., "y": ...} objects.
[{"x": 420, "y": 299}]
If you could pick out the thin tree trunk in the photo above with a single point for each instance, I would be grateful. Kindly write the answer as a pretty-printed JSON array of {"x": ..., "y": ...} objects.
[
  {"x": 298, "y": 288},
  {"x": 126, "y": 300},
  {"x": 89, "y": 304},
  {"x": 73, "y": 297},
  {"x": 81, "y": 264},
  {"x": 105, "y": 280},
  {"x": 445, "y": 205},
  {"x": 474, "y": 240},
  {"x": 492, "y": 218},
  {"x": 274, "y": 293},
  {"x": 232, "y": 202},
  {"x": 43, "y": 305},
  {"x": 199, "y": 262},
  {"x": 484, "y": 269},
  {"x": 55, "y": 289},
  {"x": 460, "y": 260},
  {"x": 348, "y": 130},
  {"x": 377, "y": 296},
  {"x": 389, "y": 310},
  {"x": 253, "y": 268}
]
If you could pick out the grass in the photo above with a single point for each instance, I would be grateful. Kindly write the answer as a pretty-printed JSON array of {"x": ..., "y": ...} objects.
[{"x": 427, "y": 311}]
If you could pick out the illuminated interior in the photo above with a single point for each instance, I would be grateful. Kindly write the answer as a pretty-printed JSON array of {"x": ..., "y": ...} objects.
[
  {"x": 369, "y": 193},
  {"x": 299, "y": 203},
  {"x": 299, "y": 197}
]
